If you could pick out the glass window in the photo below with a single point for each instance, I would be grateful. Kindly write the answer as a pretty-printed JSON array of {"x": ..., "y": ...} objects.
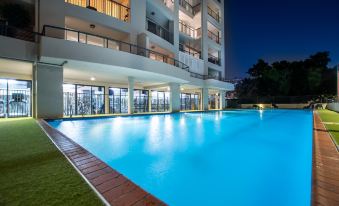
[
  {"x": 140, "y": 101},
  {"x": 83, "y": 99},
  {"x": 118, "y": 100},
  {"x": 15, "y": 98}
]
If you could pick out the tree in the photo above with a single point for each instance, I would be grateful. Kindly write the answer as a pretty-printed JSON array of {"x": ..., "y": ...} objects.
[{"x": 290, "y": 78}]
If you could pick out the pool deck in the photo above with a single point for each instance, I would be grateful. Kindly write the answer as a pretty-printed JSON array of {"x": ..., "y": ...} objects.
[
  {"x": 111, "y": 186},
  {"x": 325, "y": 177}
]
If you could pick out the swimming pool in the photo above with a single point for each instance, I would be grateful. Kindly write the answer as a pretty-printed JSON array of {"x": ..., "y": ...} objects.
[{"x": 244, "y": 157}]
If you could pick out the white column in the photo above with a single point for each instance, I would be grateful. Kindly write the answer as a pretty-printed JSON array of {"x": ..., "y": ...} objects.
[
  {"x": 204, "y": 99},
  {"x": 222, "y": 100},
  {"x": 48, "y": 91},
  {"x": 106, "y": 99},
  {"x": 174, "y": 97},
  {"x": 149, "y": 100},
  {"x": 130, "y": 95}
]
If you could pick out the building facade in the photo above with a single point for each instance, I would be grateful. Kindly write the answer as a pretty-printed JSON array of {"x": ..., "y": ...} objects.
[{"x": 113, "y": 56}]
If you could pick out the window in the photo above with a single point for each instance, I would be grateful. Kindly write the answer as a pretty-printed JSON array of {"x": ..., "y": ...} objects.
[
  {"x": 83, "y": 99},
  {"x": 118, "y": 100},
  {"x": 141, "y": 101},
  {"x": 160, "y": 101},
  {"x": 15, "y": 98}
]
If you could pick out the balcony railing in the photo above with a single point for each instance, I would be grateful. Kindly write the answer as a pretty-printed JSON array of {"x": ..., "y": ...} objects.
[
  {"x": 214, "y": 59},
  {"x": 194, "y": 33},
  {"x": 213, "y": 36},
  {"x": 189, "y": 8},
  {"x": 205, "y": 77},
  {"x": 189, "y": 50},
  {"x": 158, "y": 30},
  {"x": 14, "y": 32},
  {"x": 108, "y": 7},
  {"x": 97, "y": 40},
  {"x": 213, "y": 14}
]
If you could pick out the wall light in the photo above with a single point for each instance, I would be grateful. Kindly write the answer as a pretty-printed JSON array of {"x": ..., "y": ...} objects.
[{"x": 92, "y": 78}]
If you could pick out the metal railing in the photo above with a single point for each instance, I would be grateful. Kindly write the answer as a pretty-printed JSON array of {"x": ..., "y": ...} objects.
[
  {"x": 108, "y": 7},
  {"x": 97, "y": 40},
  {"x": 186, "y": 29},
  {"x": 213, "y": 36},
  {"x": 307, "y": 100},
  {"x": 15, "y": 103},
  {"x": 214, "y": 59},
  {"x": 189, "y": 50},
  {"x": 155, "y": 28},
  {"x": 14, "y": 32},
  {"x": 189, "y": 8},
  {"x": 213, "y": 14}
]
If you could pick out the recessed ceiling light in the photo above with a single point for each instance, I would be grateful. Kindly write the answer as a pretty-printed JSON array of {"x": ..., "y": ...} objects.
[{"x": 92, "y": 78}]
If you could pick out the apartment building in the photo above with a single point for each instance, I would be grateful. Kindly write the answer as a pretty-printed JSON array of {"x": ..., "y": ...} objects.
[{"x": 83, "y": 57}]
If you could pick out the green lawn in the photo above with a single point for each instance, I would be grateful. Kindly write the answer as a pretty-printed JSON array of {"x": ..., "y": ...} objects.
[
  {"x": 330, "y": 116},
  {"x": 34, "y": 172}
]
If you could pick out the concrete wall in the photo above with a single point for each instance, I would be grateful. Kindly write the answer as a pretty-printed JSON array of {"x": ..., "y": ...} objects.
[{"x": 48, "y": 91}]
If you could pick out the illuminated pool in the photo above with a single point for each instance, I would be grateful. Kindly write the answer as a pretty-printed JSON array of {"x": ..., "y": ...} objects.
[{"x": 244, "y": 157}]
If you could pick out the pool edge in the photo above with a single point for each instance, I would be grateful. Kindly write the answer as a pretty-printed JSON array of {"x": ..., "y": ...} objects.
[
  {"x": 110, "y": 186},
  {"x": 325, "y": 162}
]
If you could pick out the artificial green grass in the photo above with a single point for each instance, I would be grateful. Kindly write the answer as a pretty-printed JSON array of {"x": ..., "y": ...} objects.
[
  {"x": 34, "y": 172},
  {"x": 330, "y": 116}
]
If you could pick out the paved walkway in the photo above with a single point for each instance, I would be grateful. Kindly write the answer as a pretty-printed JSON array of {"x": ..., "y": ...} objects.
[
  {"x": 111, "y": 186},
  {"x": 325, "y": 181}
]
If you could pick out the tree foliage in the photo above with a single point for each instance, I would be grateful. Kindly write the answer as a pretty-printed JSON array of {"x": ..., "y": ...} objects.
[{"x": 311, "y": 76}]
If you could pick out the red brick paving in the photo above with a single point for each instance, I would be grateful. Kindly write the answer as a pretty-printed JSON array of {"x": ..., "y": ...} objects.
[
  {"x": 116, "y": 189},
  {"x": 325, "y": 182}
]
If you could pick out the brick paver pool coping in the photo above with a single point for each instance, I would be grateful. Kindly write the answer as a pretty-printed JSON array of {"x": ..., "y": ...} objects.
[
  {"x": 325, "y": 181},
  {"x": 111, "y": 186}
]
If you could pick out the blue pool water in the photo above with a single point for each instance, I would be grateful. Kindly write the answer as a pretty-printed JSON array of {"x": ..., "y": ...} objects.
[{"x": 237, "y": 158}]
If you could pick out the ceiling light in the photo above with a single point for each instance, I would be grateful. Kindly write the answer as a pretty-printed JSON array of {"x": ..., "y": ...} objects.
[{"x": 92, "y": 78}]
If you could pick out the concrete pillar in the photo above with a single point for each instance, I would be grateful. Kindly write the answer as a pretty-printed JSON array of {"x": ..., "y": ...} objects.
[
  {"x": 149, "y": 100},
  {"x": 106, "y": 99},
  {"x": 174, "y": 97},
  {"x": 130, "y": 95},
  {"x": 222, "y": 100},
  {"x": 48, "y": 91},
  {"x": 204, "y": 99}
]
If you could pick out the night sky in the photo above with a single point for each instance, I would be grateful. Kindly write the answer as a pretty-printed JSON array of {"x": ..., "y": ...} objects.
[{"x": 278, "y": 30}]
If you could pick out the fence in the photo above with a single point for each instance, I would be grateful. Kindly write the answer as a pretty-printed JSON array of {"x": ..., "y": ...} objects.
[{"x": 275, "y": 100}]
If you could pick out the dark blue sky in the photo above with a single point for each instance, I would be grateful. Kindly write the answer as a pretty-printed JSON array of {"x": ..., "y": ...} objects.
[{"x": 280, "y": 29}]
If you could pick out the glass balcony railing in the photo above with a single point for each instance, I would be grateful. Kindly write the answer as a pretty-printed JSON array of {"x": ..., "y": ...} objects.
[
  {"x": 158, "y": 30},
  {"x": 105, "y": 42},
  {"x": 213, "y": 36},
  {"x": 108, "y": 7},
  {"x": 215, "y": 15},
  {"x": 186, "y": 29}
]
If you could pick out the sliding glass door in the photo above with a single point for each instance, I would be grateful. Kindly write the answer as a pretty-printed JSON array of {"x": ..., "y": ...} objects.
[{"x": 15, "y": 98}]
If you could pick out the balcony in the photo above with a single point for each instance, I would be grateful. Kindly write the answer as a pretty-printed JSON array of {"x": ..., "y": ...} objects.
[
  {"x": 186, "y": 29},
  {"x": 214, "y": 59},
  {"x": 158, "y": 30},
  {"x": 105, "y": 42},
  {"x": 189, "y": 50},
  {"x": 108, "y": 7},
  {"x": 213, "y": 36},
  {"x": 215, "y": 15},
  {"x": 193, "y": 10}
]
